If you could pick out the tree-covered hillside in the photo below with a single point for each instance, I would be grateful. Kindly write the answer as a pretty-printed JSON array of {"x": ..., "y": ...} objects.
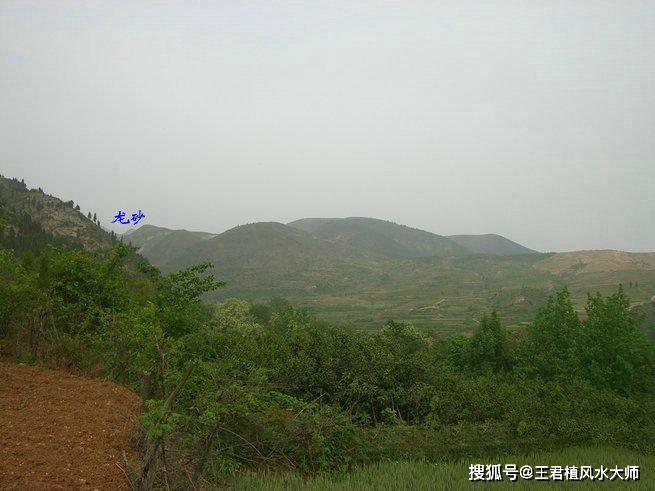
[{"x": 30, "y": 219}]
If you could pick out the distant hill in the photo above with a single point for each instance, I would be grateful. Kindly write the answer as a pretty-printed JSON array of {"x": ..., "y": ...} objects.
[
  {"x": 380, "y": 237},
  {"x": 490, "y": 244},
  {"x": 272, "y": 249},
  {"x": 366, "y": 271},
  {"x": 265, "y": 256},
  {"x": 31, "y": 219},
  {"x": 168, "y": 248}
]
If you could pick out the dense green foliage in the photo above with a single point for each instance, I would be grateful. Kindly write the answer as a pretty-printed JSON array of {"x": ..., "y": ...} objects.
[{"x": 274, "y": 387}]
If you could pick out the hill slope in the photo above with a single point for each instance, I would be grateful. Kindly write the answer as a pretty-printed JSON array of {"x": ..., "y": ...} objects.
[
  {"x": 31, "y": 219},
  {"x": 490, "y": 244},
  {"x": 380, "y": 237},
  {"x": 167, "y": 248},
  {"x": 366, "y": 271},
  {"x": 257, "y": 259}
]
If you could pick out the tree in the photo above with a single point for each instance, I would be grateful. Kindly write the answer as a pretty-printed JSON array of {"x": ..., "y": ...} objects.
[
  {"x": 554, "y": 340},
  {"x": 616, "y": 353},
  {"x": 178, "y": 297},
  {"x": 488, "y": 346},
  {"x": 88, "y": 215}
]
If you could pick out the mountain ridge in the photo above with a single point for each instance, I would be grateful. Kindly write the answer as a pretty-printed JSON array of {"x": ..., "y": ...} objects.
[
  {"x": 490, "y": 244},
  {"x": 374, "y": 236},
  {"x": 380, "y": 236}
]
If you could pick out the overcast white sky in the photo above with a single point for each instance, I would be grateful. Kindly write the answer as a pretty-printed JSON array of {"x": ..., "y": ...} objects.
[{"x": 534, "y": 120}]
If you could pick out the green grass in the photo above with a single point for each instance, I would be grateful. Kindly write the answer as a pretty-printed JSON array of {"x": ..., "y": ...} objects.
[{"x": 455, "y": 476}]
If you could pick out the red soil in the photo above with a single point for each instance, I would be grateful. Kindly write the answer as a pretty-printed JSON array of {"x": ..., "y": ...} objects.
[{"x": 60, "y": 431}]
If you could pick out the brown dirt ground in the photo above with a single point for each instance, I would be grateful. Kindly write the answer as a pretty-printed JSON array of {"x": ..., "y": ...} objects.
[{"x": 60, "y": 431}]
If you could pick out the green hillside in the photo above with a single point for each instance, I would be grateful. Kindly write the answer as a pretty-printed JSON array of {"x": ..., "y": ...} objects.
[
  {"x": 168, "y": 247},
  {"x": 490, "y": 244},
  {"x": 260, "y": 260},
  {"x": 380, "y": 237},
  {"x": 31, "y": 219},
  {"x": 339, "y": 278}
]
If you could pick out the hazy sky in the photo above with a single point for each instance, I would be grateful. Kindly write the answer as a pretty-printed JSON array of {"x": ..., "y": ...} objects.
[{"x": 534, "y": 120}]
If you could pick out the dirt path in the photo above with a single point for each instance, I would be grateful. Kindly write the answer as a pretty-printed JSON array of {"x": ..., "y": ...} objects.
[{"x": 60, "y": 431}]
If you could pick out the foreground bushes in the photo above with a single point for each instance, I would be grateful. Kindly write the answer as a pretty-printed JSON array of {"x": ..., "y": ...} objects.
[{"x": 273, "y": 387}]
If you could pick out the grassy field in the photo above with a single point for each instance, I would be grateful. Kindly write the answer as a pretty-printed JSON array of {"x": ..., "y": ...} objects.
[{"x": 455, "y": 476}]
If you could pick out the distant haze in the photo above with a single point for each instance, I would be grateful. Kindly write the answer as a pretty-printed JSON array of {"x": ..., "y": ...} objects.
[{"x": 533, "y": 120}]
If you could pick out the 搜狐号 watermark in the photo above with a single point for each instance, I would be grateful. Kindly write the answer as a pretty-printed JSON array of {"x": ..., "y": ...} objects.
[{"x": 511, "y": 472}]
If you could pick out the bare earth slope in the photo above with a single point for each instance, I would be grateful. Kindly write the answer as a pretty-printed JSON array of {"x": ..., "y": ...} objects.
[{"x": 60, "y": 431}]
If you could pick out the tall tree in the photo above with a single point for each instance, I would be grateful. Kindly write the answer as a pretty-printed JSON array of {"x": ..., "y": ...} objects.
[
  {"x": 554, "y": 339},
  {"x": 488, "y": 346},
  {"x": 617, "y": 354}
]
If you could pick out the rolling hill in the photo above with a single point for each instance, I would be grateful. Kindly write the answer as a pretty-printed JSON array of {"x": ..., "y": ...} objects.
[
  {"x": 380, "y": 237},
  {"x": 490, "y": 244},
  {"x": 401, "y": 241},
  {"x": 365, "y": 271},
  {"x": 258, "y": 259},
  {"x": 277, "y": 249}
]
